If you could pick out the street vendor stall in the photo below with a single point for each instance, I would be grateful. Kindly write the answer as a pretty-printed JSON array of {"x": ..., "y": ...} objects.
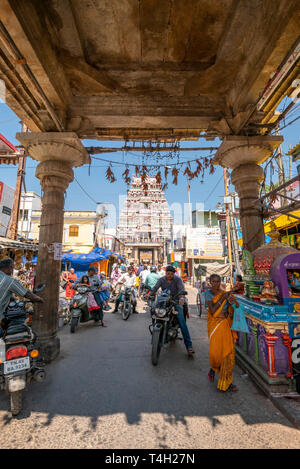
[
  {"x": 24, "y": 255},
  {"x": 271, "y": 307}
]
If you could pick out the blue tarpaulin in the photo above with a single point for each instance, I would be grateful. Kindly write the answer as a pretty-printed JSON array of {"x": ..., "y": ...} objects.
[{"x": 81, "y": 262}]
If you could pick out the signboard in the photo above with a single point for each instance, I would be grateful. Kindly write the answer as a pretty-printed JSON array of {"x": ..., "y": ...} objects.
[
  {"x": 204, "y": 243},
  {"x": 1, "y": 190},
  {"x": 57, "y": 247}
]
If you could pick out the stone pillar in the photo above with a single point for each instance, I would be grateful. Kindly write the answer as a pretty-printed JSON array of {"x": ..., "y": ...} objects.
[
  {"x": 57, "y": 153},
  {"x": 247, "y": 178},
  {"x": 244, "y": 155}
]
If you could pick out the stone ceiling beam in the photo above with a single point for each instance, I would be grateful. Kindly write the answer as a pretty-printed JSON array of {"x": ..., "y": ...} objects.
[{"x": 27, "y": 24}]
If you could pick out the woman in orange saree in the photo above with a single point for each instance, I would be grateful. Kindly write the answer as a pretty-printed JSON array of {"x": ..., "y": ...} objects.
[{"x": 221, "y": 337}]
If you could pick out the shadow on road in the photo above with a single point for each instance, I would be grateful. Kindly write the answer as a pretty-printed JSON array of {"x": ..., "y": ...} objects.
[{"x": 108, "y": 371}]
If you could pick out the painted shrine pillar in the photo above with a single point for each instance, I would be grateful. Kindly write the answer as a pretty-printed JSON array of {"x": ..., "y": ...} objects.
[
  {"x": 244, "y": 155},
  {"x": 57, "y": 154}
]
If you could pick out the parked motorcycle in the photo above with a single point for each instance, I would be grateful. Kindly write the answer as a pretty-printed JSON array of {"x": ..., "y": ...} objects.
[
  {"x": 165, "y": 327},
  {"x": 20, "y": 361},
  {"x": 64, "y": 311},
  {"x": 128, "y": 303},
  {"x": 79, "y": 310}
]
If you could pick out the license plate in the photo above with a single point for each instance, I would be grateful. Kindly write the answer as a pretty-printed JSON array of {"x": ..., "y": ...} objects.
[{"x": 13, "y": 366}]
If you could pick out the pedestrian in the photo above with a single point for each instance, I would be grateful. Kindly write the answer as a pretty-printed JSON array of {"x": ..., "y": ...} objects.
[
  {"x": 160, "y": 270},
  {"x": 239, "y": 287},
  {"x": 221, "y": 337},
  {"x": 105, "y": 291},
  {"x": 69, "y": 290}
]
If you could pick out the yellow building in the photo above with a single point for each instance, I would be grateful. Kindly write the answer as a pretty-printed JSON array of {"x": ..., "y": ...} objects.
[{"x": 81, "y": 229}]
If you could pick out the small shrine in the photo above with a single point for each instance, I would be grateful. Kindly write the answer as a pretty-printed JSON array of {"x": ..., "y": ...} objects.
[{"x": 271, "y": 305}]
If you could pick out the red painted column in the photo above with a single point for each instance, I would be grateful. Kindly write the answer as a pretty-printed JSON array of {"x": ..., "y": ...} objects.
[
  {"x": 287, "y": 342},
  {"x": 271, "y": 340}
]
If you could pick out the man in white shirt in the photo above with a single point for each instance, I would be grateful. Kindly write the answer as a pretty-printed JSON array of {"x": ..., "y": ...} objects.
[
  {"x": 160, "y": 271},
  {"x": 143, "y": 275},
  {"x": 127, "y": 280}
]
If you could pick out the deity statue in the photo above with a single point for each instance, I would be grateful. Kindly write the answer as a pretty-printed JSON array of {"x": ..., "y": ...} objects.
[{"x": 268, "y": 293}]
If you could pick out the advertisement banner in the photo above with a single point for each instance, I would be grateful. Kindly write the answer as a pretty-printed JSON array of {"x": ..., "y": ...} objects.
[{"x": 204, "y": 243}]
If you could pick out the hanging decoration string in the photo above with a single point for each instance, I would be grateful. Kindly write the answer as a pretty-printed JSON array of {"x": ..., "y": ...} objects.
[{"x": 145, "y": 170}]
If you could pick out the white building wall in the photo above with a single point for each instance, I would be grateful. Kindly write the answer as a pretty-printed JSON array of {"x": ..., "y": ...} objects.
[{"x": 6, "y": 205}]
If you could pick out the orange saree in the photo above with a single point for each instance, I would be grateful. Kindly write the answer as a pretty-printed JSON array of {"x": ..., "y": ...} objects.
[{"x": 221, "y": 344}]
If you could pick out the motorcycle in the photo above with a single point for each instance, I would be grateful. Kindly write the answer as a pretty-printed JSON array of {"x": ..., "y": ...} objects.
[
  {"x": 64, "y": 311},
  {"x": 79, "y": 310},
  {"x": 165, "y": 327},
  {"x": 128, "y": 303},
  {"x": 20, "y": 362},
  {"x": 145, "y": 293}
]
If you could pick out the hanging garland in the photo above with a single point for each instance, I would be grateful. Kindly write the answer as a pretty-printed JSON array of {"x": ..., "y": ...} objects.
[{"x": 144, "y": 171}]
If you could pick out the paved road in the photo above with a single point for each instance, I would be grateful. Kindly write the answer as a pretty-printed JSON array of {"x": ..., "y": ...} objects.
[{"x": 103, "y": 392}]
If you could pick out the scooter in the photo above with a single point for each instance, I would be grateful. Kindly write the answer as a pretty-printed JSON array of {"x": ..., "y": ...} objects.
[
  {"x": 20, "y": 361},
  {"x": 79, "y": 310}
]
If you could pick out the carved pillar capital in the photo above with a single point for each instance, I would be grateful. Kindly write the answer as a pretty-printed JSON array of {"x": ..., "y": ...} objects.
[
  {"x": 244, "y": 155},
  {"x": 54, "y": 146},
  {"x": 237, "y": 150},
  {"x": 54, "y": 175}
]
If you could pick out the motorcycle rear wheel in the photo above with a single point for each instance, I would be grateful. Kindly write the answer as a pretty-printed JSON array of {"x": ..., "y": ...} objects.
[
  {"x": 15, "y": 402},
  {"x": 156, "y": 346},
  {"x": 74, "y": 322}
]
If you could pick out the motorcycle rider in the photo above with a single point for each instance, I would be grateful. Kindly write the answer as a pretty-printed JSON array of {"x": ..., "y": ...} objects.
[
  {"x": 174, "y": 284},
  {"x": 152, "y": 278},
  {"x": 9, "y": 285},
  {"x": 127, "y": 280},
  {"x": 95, "y": 285},
  {"x": 143, "y": 275}
]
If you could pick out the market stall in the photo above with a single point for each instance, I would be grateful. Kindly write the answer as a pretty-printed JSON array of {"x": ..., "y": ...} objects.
[
  {"x": 24, "y": 255},
  {"x": 271, "y": 306}
]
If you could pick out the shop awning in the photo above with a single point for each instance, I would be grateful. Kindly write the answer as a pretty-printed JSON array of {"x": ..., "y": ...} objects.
[
  {"x": 283, "y": 221},
  {"x": 224, "y": 270},
  {"x": 15, "y": 244}
]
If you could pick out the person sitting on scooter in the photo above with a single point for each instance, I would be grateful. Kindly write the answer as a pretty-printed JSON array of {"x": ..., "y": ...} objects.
[
  {"x": 95, "y": 284},
  {"x": 174, "y": 284},
  {"x": 127, "y": 280},
  {"x": 92, "y": 305}
]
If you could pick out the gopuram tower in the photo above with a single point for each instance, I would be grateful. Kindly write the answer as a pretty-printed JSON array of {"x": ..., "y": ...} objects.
[{"x": 145, "y": 225}]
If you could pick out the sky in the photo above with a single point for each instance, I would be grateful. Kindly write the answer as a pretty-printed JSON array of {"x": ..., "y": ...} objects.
[{"x": 95, "y": 188}]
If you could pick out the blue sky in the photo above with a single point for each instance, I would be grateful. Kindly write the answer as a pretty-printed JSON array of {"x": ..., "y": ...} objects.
[{"x": 210, "y": 192}]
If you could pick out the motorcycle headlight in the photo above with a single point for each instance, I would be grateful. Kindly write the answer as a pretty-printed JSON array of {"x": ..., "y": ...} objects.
[{"x": 160, "y": 312}]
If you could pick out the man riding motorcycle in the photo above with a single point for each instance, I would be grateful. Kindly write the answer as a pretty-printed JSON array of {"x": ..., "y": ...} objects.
[
  {"x": 127, "y": 280},
  {"x": 175, "y": 285},
  {"x": 9, "y": 285}
]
